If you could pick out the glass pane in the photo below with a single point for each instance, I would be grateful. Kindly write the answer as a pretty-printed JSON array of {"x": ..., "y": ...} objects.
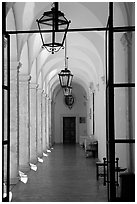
[
  {"x": 124, "y": 57},
  {"x": 124, "y": 13},
  {"x": 5, "y": 164},
  {"x": 5, "y": 114},
  {"x": 124, "y": 113},
  {"x": 89, "y": 15},
  {"x": 126, "y": 155},
  {"x": 59, "y": 37},
  {"x": 64, "y": 80},
  {"x": 5, "y": 171},
  {"x": 5, "y": 61}
]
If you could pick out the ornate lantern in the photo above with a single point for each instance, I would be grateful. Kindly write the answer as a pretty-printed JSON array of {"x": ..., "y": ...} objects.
[
  {"x": 55, "y": 21},
  {"x": 65, "y": 77}
]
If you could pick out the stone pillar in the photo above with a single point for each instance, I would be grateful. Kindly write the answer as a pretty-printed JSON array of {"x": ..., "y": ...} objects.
[
  {"x": 14, "y": 157},
  {"x": 52, "y": 122},
  {"x": 47, "y": 121},
  {"x": 24, "y": 140},
  {"x": 33, "y": 138},
  {"x": 43, "y": 122},
  {"x": 39, "y": 124},
  {"x": 49, "y": 118}
]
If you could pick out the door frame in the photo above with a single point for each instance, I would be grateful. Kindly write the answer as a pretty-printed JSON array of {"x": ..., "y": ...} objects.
[
  {"x": 76, "y": 124},
  {"x": 71, "y": 120}
]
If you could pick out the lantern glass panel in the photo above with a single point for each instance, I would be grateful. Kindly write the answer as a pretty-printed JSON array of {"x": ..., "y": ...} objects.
[
  {"x": 70, "y": 79},
  {"x": 65, "y": 80}
]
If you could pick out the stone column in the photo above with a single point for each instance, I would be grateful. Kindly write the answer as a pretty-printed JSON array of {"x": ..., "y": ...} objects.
[
  {"x": 39, "y": 124},
  {"x": 52, "y": 122},
  {"x": 33, "y": 138},
  {"x": 43, "y": 122},
  {"x": 14, "y": 157},
  {"x": 24, "y": 140},
  {"x": 49, "y": 118},
  {"x": 47, "y": 121}
]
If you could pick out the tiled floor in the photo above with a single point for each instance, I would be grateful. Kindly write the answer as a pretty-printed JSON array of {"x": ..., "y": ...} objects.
[{"x": 64, "y": 176}]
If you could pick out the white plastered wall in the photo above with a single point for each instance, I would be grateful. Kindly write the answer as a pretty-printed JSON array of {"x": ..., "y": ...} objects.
[{"x": 78, "y": 110}]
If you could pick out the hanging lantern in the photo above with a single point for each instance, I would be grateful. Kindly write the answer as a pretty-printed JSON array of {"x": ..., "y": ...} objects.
[
  {"x": 55, "y": 21},
  {"x": 65, "y": 77}
]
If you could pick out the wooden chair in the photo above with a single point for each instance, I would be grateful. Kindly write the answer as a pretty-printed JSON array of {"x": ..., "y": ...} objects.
[
  {"x": 92, "y": 149},
  {"x": 101, "y": 170}
]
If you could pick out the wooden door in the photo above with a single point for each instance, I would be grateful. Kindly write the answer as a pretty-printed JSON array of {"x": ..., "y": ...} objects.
[{"x": 69, "y": 130}]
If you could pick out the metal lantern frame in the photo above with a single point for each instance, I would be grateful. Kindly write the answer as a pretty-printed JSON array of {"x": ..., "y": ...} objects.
[
  {"x": 67, "y": 91},
  {"x": 65, "y": 77},
  {"x": 57, "y": 21}
]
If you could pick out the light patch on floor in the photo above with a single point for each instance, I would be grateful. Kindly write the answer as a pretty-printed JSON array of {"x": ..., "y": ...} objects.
[
  {"x": 33, "y": 167},
  {"x": 40, "y": 160}
]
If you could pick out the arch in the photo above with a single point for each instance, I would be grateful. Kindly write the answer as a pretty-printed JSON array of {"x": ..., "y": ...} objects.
[{"x": 11, "y": 25}]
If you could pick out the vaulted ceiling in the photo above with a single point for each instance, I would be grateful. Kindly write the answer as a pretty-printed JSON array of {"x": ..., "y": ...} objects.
[{"x": 85, "y": 50}]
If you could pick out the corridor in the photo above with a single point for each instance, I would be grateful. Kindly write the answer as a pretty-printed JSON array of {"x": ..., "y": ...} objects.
[
  {"x": 64, "y": 176},
  {"x": 68, "y": 76}
]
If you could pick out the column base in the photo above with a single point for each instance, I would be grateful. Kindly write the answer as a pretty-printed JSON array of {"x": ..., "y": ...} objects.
[
  {"x": 40, "y": 155},
  {"x": 33, "y": 161},
  {"x": 14, "y": 180},
  {"x": 24, "y": 168},
  {"x": 45, "y": 150}
]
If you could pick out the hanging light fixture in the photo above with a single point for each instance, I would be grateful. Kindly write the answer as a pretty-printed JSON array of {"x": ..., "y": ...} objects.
[
  {"x": 65, "y": 77},
  {"x": 55, "y": 21}
]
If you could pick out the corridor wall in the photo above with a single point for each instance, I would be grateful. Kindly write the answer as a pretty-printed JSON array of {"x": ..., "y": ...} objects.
[
  {"x": 100, "y": 119},
  {"x": 78, "y": 110}
]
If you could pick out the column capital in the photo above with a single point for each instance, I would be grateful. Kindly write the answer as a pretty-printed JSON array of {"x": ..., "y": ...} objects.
[
  {"x": 5, "y": 42},
  {"x": 39, "y": 89},
  {"x": 126, "y": 40},
  {"x": 14, "y": 65},
  {"x": 97, "y": 85},
  {"x": 103, "y": 79},
  {"x": 33, "y": 85},
  {"x": 19, "y": 65},
  {"x": 24, "y": 78},
  {"x": 91, "y": 87},
  {"x": 14, "y": 70},
  {"x": 43, "y": 94}
]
